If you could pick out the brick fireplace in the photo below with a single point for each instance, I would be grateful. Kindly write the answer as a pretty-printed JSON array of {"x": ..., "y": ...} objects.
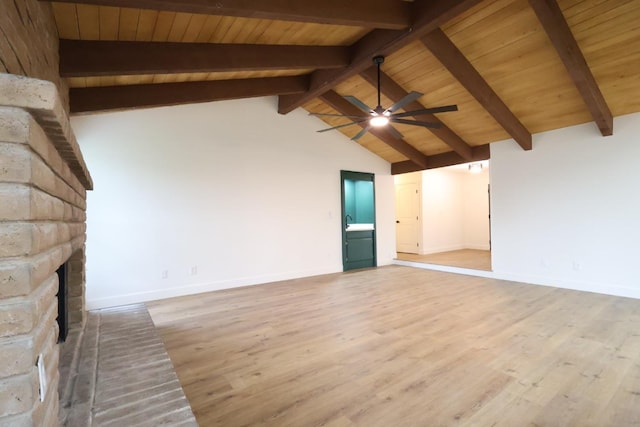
[{"x": 43, "y": 184}]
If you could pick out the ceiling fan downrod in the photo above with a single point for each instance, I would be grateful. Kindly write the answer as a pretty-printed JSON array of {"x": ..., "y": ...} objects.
[{"x": 378, "y": 60}]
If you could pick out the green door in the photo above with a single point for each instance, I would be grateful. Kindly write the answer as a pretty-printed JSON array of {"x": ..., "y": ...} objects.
[{"x": 358, "y": 220}]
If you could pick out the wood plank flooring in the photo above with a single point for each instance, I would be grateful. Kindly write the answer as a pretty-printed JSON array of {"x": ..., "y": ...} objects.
[
  {"x": 399, "y": 346},
  {"x": 464, "y": 258}
]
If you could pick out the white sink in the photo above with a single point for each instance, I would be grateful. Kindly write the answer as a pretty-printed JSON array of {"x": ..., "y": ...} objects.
[{"x": 359, "y": 227}]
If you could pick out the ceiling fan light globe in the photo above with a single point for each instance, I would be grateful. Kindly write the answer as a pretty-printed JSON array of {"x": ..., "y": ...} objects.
[{"x": 379, "y": 121}]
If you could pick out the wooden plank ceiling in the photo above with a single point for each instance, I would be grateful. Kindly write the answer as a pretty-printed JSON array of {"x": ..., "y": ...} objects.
[{"x": 513, "y": 67}]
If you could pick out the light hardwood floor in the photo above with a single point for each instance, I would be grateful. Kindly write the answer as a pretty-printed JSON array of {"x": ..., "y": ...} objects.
[
  {"x": 464, "y": 258},
  {"x": 399, "y": 346}
]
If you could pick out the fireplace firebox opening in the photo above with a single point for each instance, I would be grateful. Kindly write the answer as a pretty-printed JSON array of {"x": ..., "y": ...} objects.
[{"x": 63, "y": 309}]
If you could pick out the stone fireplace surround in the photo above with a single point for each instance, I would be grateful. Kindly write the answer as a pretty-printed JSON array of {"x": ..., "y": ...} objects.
[{"x": 43, "y": 184}]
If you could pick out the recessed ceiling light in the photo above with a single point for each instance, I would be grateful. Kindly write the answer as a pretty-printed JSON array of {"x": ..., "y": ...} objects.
[{"x": 475, "y": 167}]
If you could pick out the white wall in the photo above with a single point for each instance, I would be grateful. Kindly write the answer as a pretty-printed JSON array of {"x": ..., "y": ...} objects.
[
  {"x": 455, "y": 209},
  {"x": 442, "y": 211},
  {"x": 567, "y": 213},
  {"x": 239, "y": 192},
  {"x": 475, "y": 199}
]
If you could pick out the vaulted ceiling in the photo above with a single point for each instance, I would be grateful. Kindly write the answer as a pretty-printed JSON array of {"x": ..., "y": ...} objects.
[{"x": 513, "y": 67}]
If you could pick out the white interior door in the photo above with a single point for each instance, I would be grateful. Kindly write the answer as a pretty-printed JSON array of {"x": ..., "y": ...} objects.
[{"x": 407, "y": 218}]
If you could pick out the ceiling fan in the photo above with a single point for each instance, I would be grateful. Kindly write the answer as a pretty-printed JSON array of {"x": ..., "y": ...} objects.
[{"x": 381, "y": 117}]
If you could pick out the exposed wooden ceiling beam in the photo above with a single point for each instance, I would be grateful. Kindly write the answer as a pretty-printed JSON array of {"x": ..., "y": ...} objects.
[
  {"x": 451, "y": 57},
  {"x": 82, "y": 58},
  {"x": 480, "y": 152},
  {"x": 554, "y": 23},
  {"x": 428, "y": 14},
  {"x": 343, "y": 106},
  {"x": 394, "y": 91},
  {"x": 387, "y": 14},
  {"x": 83, "y": 100}
]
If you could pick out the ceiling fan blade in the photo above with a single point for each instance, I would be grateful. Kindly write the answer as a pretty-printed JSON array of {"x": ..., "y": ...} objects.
[
  {"x": 416, "y": 123},
  {"x": 410, "y": 97},
  {"x": 336, "y": 115},
  {"x": 362, "y": 132},
  {"x": 443, "y": 109},
  {"x": 361, "y": 105},
  {"x": 344, "y": 125},
  {"x": 393, "y": 131}
]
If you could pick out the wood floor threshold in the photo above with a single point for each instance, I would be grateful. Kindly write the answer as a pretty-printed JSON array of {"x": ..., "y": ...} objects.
[
  {"x": 472, "y": 259},
  {"x": 446, "y": 268}
]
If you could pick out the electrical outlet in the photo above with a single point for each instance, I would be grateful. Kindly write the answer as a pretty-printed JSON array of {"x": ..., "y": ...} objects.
[
  {"x": 194, "y": 270},
  {"x": 165, "y": 274}
]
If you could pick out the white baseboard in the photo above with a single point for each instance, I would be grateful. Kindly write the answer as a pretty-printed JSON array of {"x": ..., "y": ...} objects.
[
  {"x": 141, "y": 297},
  {"x": 438, "y": 249},
  {"x": 480, "y": 247},
  {"x": 156, "y": 294},
  {"x": 598, "y": 288},
  {"x": 585, "y": 286}
]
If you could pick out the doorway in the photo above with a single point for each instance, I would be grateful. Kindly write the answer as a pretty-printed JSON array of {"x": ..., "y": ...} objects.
[
  {"x": 454, "y": 218},
  {"x": 358, "y": 220},
  {"x": 408, "y": 222}
]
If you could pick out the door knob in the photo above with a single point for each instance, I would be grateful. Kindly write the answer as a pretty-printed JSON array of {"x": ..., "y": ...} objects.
[{"x": 397, "y": 222}]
